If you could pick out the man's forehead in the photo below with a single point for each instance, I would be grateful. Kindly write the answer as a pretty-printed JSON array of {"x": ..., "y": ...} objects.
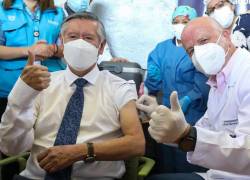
[
  {"x": 82, "y": 25},
  {"x": 194, "y": 33},
  {"x": 212, "y": 3}
]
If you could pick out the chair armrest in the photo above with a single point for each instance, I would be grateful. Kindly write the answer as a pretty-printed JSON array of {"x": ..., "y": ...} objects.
[
  {"x": 146, "y": 166},
  {"x": 20, "y": 159}
]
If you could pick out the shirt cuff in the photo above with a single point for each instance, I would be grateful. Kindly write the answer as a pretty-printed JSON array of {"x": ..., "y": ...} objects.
[{"x": 22, "y": 94}]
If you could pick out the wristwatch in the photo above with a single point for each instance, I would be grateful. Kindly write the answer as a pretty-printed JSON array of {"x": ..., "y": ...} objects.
[
  {"x": 90, "y": 153},
  {"x": 188, "y": 142}
]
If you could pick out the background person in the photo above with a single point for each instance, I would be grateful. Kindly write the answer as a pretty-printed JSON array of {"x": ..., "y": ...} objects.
[{"x": 224, "y": 12}]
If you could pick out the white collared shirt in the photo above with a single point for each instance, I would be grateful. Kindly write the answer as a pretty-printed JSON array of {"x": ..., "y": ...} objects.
[{"x": 32, "y": 119}]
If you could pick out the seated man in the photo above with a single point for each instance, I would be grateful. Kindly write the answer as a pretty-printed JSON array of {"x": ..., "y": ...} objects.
[{"x": 78, "y": 123}]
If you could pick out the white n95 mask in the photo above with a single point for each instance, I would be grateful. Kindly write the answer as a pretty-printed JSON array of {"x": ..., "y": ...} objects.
[
  {"x": 80, "y": 54},
  {"x": 209, "y": 58},
  {"x": 178, "y": 29},
  {"x": 224, "y": 16}
]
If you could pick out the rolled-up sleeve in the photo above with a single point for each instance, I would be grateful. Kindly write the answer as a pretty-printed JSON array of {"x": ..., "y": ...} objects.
[
  {"x": 126, "y": 91},
  {"x": 16, "y": 127}
]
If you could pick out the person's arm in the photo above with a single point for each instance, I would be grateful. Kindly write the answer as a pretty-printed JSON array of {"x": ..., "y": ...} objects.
[
  {"x": 130, "y": 145},
  {"x": 199, "y": 92},
  {"x": 153, "y": 80},
  {"x": 215, "y": 150},
  {"x": 16, "y": 127},
  {"x": 7, "y": 53}
]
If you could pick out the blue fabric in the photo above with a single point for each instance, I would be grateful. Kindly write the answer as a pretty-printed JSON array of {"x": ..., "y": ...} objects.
[
  {"x": 177, "y": 176},
  {"x": 184, "y": 103},
  {"x": 170, "y": 69},
  {"x": 184, "y": 11},
  {"x": 17, "y": 27},
  {"x": 68, "y": 131}
]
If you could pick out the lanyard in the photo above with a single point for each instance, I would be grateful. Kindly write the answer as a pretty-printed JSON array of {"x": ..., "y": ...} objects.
[{"x": 36, "y": 20}]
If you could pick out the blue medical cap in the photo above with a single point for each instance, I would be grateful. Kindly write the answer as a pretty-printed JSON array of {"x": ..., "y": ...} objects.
[{"x": 184, "y": 11}]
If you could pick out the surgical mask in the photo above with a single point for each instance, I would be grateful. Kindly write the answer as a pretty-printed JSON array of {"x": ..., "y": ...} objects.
[
  {"x": 178, "y": 29},
  {"x": 78, "y": 5},
  {"x": 224, "y": 16},
  {"x": 80, "y": 54},
  {"x": 209, "y": 58}
]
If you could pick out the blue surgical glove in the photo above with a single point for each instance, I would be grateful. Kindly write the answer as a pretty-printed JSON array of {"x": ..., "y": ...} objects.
[{"x": 185, "y": 102}]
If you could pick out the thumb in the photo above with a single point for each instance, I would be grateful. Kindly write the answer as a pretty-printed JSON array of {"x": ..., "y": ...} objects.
[
  {"x": 31, "y": 58},
  {"x": 175, "y": 106}
]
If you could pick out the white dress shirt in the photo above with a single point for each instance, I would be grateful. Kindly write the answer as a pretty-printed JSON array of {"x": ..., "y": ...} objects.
[
  {"x": 223, "y": 133},
  {"x": 32, "y": 119}
]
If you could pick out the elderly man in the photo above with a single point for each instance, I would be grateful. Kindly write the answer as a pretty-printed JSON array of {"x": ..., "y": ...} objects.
[
  {"x": 223, "y": 11},
  {"x": 220, "y": 139},
  {"x": 79, "y": 123}
]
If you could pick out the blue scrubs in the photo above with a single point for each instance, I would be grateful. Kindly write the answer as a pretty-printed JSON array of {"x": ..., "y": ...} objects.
[
  {"x": 21, "y": 28},
  {"x": 171, "y": 69}
]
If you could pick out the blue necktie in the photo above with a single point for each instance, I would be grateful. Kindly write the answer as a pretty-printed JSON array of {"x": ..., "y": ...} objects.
[{"x": 68, "y": 131}]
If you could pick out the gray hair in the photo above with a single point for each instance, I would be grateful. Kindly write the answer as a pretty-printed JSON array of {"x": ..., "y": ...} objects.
[{"x": 85, "y": 16}]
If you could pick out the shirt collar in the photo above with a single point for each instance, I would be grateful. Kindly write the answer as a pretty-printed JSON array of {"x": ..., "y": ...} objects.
[{"x": 91, "y": 76}]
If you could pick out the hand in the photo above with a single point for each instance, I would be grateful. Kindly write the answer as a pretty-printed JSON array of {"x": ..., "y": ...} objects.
[
  {"x": 168, "y": 126},
  {"x": 42, "y": 50},
  {"x": 147, "y": 104},
  {"x": 60, "y": 157},
  {"x": 36, "y": 76},
  {"x": 185, "y": 102},
  {"x": 118, "y": 59}
]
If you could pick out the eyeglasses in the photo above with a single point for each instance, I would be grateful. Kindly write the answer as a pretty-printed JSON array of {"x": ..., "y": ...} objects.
[{"x": 220, "y": 4}]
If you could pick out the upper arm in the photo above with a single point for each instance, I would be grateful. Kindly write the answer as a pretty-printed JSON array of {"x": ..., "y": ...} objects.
[
  {"x": 129, "y": 120},
  {"x": 153, "y": 80},
  {"x": 200, "y": 88}
]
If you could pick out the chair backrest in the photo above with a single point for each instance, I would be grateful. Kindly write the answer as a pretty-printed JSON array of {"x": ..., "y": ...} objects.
[{"x": 125, "y": 70}]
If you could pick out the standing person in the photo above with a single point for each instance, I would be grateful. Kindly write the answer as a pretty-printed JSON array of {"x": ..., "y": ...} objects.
[
  {"x": 27, "y": 25},
  {"x": 220, "y": 139},
  {"x": 87, "y": 129},
  {"x": 171, "y": 69},
  {"x": 224, "y": 12},
  {"x": 73, "y": 6},
  {"x": 133, "y": 27}
]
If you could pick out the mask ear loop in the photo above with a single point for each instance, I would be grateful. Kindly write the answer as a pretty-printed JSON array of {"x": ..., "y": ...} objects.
[{"x": 218, "y": 42}]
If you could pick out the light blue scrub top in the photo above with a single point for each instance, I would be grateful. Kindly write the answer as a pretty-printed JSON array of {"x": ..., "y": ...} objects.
[{"x": 21, "y": 28}]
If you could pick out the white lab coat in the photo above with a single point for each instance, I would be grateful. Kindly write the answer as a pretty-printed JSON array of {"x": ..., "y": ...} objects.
[{"x": 223, "y": 134}]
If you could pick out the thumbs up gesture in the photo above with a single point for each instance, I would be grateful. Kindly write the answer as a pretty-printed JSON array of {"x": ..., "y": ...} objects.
[
  {"x": 36, "y": 76},
  {"x": 168, "y": 125}
]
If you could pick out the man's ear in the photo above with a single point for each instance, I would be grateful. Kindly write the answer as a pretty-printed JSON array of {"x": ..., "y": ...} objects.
[
  {"x": 61, "y": 38},
  {"x": 226, "y": 33},
  {"x": 102, "y": 46}
]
